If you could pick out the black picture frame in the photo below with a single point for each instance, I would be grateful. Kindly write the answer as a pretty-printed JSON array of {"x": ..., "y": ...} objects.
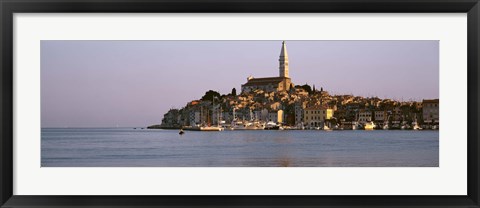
[{"x": 9, "y": 7}]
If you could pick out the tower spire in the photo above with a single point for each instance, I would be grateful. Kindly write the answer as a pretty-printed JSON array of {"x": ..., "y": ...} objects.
[{"x": 283, "y": 61}]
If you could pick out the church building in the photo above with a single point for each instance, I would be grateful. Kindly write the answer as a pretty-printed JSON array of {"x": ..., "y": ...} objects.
[{"x": 272, "y": 84}]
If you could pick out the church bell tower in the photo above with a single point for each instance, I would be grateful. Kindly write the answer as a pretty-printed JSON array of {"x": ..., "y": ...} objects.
[{"x": 283, "y": 61}]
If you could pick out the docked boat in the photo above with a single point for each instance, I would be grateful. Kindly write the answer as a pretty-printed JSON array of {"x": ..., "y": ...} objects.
[
  {"x": 386, "y": 126},
  {"x": 203, "y": 128},
  {"x": 211, "y": 128},
  {"x": 326, "y": 128},
  {"x": 395, "y": 125},
  {"x": 369, "y": 125},
  {"x": 337, "y": 127},
  {"x": 245, "y": 125},
  {"x": 359, "y": 126},
  {"x": 271, "y": 126},
  {"x": 416, "y": 126}
]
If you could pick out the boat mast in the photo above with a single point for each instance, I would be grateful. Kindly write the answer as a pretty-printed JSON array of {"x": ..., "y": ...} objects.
[
  {"x": 219, "y": 113},
  {"x": 201, "y": 115},
  {"x": 234, "y": 118}
]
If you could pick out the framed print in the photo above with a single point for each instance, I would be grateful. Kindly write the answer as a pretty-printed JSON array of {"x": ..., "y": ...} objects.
[{"x": 248, "y": 104}]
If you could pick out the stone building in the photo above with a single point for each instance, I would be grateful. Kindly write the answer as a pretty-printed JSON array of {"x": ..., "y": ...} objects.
[
  {"x": 315, "y": 116},
  {"x": 272, "y": 84},
  {"x": 364, "y": 116},
  {"x": 431, "y": 111}
]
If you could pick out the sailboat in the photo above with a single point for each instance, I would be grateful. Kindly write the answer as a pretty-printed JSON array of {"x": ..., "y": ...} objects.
[
  {"x": 213, "y": 128},
  {"x": 207, "y": 127}
]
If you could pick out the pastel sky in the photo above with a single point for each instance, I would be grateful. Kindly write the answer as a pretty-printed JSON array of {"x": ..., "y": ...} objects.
[{"x": 133, "y": 83}]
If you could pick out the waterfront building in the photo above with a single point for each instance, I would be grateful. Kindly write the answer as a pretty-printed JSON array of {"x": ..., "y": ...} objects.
[
  {"x": 194, "y": 118},
  {"x": 280, "y": 116},
  {"x": 364, "y": 116},
  {"x": 431, "y": 111},
  {"x": 273, "y": 116},
  {"x": 397, "y": 114},
  {"x": 272, "y": 84},
  {"x": 299, "y": 114},
  {"x": 315, "y": 116},
  {"x": 276, "y": 116},
  {"x": 257, "y": 114},
  {"x": 264, "y": 115},
  {"x": 380, "y": 115}
]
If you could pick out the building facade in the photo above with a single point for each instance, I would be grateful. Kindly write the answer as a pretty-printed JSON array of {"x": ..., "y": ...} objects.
[
  {"x": 431, "y": 111},
  {"x": 276, "y": 116},
  {"x": 364, "y": 116},
  {"x": 380, "y": 115},
  {"x": 315, "y": 116}
]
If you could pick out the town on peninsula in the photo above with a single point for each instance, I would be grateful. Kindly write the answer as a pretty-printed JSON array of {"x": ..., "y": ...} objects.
[{"x": 276, "y": 103}]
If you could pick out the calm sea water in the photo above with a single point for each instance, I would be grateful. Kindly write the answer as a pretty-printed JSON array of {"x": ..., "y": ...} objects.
[{"x": 94, "y": 147}]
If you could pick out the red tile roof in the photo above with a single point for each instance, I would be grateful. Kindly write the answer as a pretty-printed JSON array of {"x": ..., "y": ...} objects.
[
  {"x": 265, "y": 81},
  {"x": 431, "y": 101}
]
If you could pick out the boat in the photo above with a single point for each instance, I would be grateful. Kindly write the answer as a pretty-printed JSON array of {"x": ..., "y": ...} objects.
[
  {"x": 203, "y": 128},
  {"x": 355, "y": 125},
  {"x": 416, "y": 126},
  {"x": 271, "y": 126},
  {"x": 395, "y": 125},
  {"x": 181, "y": 132},
  {"x": 211, "y": 128},
  {"x": 359, "y": 126},
  {"x": 207, "y": 126},
  {"x": 326, "y": 128},
  {"x": 246, "y": 125},
  {"x": 406, "y": 127},
  {"x": 369, "y": 125},
  {"x": 386, "y": 126},
  {"x": 348, "y": 125}
]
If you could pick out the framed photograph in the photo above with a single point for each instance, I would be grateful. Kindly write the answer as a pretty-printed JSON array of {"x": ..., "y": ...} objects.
[{"x": 239, "y": 104}]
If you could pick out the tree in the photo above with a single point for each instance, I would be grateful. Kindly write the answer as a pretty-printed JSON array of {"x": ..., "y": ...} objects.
[
  {"x": 314, "y": 88},
  {"x": 307, "y": 88},
  {"x": 209, "y": 95},
  {"x": 234, "y": 92},
  {"x": 292, "y": 89}
]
